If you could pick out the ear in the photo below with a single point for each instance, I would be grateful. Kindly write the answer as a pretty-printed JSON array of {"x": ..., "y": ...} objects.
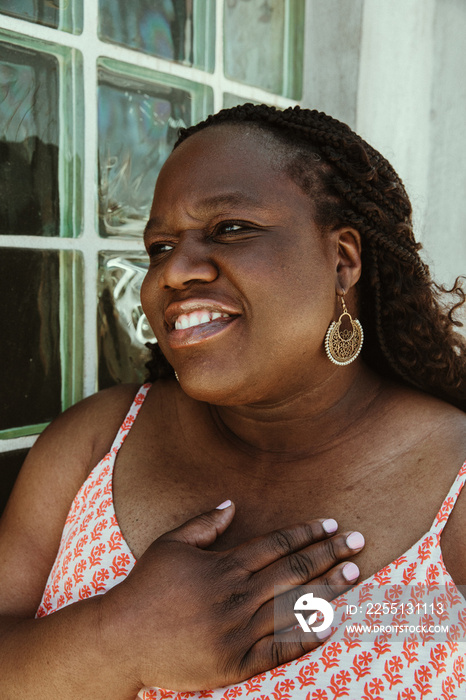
[{"x": 348, "y": 259}]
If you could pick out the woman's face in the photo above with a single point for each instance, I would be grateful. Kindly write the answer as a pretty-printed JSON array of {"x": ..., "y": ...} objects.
[{"x": 241, "y": 285}]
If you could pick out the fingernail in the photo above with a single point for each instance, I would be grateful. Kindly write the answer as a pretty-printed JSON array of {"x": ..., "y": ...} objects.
[
  {"x": 323, "y": 634},
  {"x": 330, "y": 526},
  {"x": 355, "y": 540},
  {"x": 350, "y": 571},
  {"x": 224, "y": 505}
]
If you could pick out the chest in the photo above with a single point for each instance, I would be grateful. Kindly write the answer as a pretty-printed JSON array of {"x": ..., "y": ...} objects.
[{"x": 392, "y": 503}]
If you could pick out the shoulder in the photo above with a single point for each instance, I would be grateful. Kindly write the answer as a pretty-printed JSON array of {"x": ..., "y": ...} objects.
[
  {"x": 95, "y": 420},
  {"x": 75, "y": 441},
  {"x": 421, "y": 415},
  {"x": 453, "y": 539},
  {"x": 434, "y": 432},
  {"x": 83, "y": 434},
  {"x": 454, "y": 533},
  {"x": 441, "y": 430}
]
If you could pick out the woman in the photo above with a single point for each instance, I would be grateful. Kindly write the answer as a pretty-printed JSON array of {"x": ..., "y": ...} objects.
[{"x": 265, "y": 227}]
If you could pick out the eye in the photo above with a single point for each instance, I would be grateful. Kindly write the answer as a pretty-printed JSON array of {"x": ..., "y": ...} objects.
[
  {"x": 157, "y": 249},
  {"x": 232, "y": 229},
  {"x": 228, "y": 227}
]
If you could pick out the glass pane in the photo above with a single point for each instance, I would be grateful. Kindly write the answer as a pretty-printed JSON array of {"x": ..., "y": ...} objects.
[
  {"x": 29, "y": 139},
  {"x": 177, "y": 30},
  {"x": 10, "y": 464},
  {"x": 41, "y": 137},
  {"x": 263, "y": 44},
  {"x": 230, "y": 100},
  {"x": 60, "y": 14},
  {"x": 139, "y": 118},
  {"x": 123, "y": 329},
  {"x": 35, "y": 317}
]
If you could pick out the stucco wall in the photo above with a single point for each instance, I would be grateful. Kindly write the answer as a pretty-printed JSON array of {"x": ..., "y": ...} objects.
[{"x": 395, "y": 70}]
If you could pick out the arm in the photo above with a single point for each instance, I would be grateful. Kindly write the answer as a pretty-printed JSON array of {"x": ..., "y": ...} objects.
[
  {"x": 68, "y": 644},
  {"x": 66, "y": 655}
]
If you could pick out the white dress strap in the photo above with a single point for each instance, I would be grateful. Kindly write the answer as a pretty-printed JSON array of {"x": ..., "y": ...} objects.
[
  {"x": 125, "y": 427},
  {"x": 448, "y": 504}
]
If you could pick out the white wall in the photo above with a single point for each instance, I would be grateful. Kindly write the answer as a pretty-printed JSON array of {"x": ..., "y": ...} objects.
[
  {"x": 445, "y": 224},
  {"x": 395, "y": 70}
]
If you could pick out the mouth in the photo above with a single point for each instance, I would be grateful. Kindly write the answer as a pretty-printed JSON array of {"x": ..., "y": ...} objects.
[
  {"x": 197, "y": 318},
  {"x": 194, "y": 321}
]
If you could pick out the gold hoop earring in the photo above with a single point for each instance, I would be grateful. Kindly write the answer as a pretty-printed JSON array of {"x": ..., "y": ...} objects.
[
  {"x": 343, "y": 346},
  {"x": 177, "y": 377}
]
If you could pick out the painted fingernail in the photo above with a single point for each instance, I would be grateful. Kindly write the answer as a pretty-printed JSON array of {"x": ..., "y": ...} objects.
[
  {"x": 355, "y": 540},
  {"x": 330, "y": 526},
  {"x": 350, "y": 571},
  {"x": 323, "y": 634},
  {"x": 224, "y": 505}
]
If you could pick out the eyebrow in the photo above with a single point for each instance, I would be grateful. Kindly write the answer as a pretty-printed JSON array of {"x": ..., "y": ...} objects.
[{"x": 208, "y": 203}]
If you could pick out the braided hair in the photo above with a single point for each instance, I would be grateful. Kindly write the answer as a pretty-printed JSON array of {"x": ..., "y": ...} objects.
[{"x": 410, "y": 328}]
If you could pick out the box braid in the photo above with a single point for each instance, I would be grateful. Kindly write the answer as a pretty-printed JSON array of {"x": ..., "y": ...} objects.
[{"x": 409, "y": 333}]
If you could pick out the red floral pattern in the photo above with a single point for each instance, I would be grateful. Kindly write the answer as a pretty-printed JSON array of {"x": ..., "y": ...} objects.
[{"x": 94, "y": 556}]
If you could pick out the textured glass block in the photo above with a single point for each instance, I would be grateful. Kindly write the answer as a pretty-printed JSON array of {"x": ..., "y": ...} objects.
[
  {"x": 38, "y": 358},
  {"x": 177, "y": 30},
  {"x": 263, "y": 44},
  {"x": 140, "y": 113},
  {"x": 122, "y": 326},
  {"x": 59, "y": 14},
  {"x": 10, "y": 464},
  {"x": 40, "y": 137},
  {"x": 29, "y": 140},
  {"x": 230, "y": 100}
]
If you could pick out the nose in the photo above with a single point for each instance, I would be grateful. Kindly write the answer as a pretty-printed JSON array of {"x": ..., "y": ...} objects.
[{"x": 188, "y": 262}]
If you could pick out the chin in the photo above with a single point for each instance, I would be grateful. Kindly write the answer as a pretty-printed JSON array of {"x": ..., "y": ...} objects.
[{"x": 218, "y": 387}]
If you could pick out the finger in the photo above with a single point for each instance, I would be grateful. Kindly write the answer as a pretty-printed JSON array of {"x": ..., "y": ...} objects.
[
  {"x": 279, "y": 613},
  {"x": 202, "y": 530},
  {"x": 307, "y": 564},
  {"x": 275, "y": 650},
  {"x": 266, "y": 549}
]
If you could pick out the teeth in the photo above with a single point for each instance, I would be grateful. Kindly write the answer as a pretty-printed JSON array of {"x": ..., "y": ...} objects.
[{"x": 196, "y": 318}]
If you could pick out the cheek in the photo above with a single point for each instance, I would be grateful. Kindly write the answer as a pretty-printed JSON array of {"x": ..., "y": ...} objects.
[
  {"x": 145, "y": 292},
  {"x": 308, "y": 311},
  {"x": 149, "y": 301}
]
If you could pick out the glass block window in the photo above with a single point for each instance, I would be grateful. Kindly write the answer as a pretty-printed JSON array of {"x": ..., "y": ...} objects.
[
  {"x": 40, "y": 141},
  {"x": 39, "y": 357},
  {"x": 123, "y": 330},
  {"x": 177, "y": 30},
  {"x": 10, "y": 464},
  {"x": 29, "y": 138},
  {"x": 89, "y": 111},
  {"x": 148, "y": 108},
  {"x": 230, "y": 100},
  {"x": 60, "y": 14},
  {"x": 263, "y": 44}
]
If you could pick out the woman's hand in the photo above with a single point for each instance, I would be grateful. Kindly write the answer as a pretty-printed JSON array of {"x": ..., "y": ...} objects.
[{"x": 192, "y": 618}]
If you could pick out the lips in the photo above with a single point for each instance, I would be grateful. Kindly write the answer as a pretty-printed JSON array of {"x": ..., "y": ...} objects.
[{"x": 195, "y": 320}]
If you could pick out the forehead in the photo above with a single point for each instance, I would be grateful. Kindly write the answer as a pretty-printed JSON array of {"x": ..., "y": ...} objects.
[
  {"x": 235, "y": 142},
  {"x": 224, "y": 159}
]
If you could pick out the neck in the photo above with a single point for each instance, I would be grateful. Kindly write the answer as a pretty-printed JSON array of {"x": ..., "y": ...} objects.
[{"x": 306, "y": 423}]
